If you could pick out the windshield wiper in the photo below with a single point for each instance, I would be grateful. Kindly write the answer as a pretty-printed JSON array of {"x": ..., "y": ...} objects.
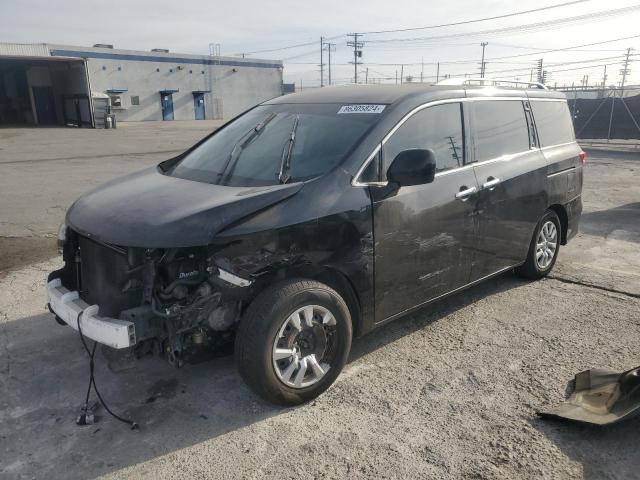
[
  {"x": 285, "y": 162},
  {"x": 241, "y": 144}
]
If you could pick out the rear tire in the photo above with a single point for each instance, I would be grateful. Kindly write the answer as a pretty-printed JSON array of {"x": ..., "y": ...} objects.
[
  {"x": 543, "y": 249},
  {"x": 292, "y": 327}
]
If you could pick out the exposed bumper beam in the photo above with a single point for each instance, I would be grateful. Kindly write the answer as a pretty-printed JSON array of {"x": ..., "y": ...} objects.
[{"x": 108, "y": 331}]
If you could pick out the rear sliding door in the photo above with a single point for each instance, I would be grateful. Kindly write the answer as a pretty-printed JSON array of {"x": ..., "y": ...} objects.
[{"x": 512, "y": 178}]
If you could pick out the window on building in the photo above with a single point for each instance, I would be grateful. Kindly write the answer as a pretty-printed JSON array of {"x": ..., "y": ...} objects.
[
  {"x": 500, "y": 128},
  {"x": 135, "y": 100},
  {"x": 438, "y": 128},
  {"x": 116, "y": 101},
  {"x": 553, "y": 122}
]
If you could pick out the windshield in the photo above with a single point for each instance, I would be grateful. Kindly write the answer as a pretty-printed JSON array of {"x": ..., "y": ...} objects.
[{"x": 274, "y": 144}]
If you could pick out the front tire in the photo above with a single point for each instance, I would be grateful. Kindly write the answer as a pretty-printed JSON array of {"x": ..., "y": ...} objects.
[
  {"x": 543, "y": 249},
  {"x": 293, "y": 341}
]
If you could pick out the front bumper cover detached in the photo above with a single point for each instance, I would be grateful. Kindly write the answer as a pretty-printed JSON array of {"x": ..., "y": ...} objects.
[
  {"x": 600, "y": 397},
  {"x": 68, "y": 305}
]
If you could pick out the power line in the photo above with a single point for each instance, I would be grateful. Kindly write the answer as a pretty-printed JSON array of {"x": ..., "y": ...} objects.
[
  {"x": 305, "y": 54},
  {"x": 288, "y": 47},
  {"x": 281, "y": 48},
  {"x": 518, "y": 28},
  {"x": 565, "y": 48},
  {"x": 466, "y": 22}
]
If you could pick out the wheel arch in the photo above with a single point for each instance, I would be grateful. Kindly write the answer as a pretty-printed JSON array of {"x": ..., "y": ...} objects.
[
  {"x": 331, "y": 277},
  {"x": 561, "y": 211}
]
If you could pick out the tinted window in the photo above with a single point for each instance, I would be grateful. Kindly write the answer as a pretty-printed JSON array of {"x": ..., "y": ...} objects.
[
  {"x": 250, "y": 150},
  {"x": 553, "y": 122},
  {"x": 500, "y": 128},
  {"x": 438, "y": 128}
]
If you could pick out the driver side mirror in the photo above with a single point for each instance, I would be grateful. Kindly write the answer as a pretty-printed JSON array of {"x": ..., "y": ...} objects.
[{"x": 413, "y": 167}]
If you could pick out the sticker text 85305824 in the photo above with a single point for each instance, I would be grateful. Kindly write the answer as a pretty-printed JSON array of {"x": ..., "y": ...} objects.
[{"x": 361, "y": 109}]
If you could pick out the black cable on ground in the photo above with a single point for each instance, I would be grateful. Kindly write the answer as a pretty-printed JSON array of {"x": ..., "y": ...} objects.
[{"x": 92, "y": 382}]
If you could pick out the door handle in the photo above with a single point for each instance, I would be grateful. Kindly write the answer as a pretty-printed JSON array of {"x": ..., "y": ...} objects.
[
  {"x": 491, "y": 182},
  {"x": 464, "y": 194}
]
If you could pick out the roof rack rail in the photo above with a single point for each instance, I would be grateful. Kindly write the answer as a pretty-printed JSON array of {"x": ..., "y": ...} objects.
[{"x": 490, "y": 82}]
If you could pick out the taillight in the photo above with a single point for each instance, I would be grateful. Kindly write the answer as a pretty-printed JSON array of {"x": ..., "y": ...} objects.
[{"x": 583, "y": 157}]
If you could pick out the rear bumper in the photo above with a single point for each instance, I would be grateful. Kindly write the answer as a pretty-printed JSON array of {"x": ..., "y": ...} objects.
[{"x": 108, "y": 331}]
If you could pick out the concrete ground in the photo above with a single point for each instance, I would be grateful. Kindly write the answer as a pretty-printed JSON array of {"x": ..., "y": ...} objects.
[
  {"x": 43, "y": 170},
  {"x": 448, "y": 392}
]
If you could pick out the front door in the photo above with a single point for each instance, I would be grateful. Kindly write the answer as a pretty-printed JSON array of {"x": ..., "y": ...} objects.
[
  {"x": 198, "y": 105},
  {"x": 511, "y": 173},
  {"x": 424, "y": 234},
  {"x": 166, "y": 100},
  {"x": 45, "y": 105}
]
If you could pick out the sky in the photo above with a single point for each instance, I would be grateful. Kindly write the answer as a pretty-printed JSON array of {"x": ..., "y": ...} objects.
[{"x": 241, "y": 26}]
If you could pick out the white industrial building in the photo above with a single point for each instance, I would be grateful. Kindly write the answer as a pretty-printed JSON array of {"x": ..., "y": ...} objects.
[{"x": 45, "y": 84}]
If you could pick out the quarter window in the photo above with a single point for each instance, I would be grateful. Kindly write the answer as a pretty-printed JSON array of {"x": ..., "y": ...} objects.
[
  {"x": 500, "y": 128},
  {"x": 438, "y": 128},
  {"x": 553, "y": 122}
]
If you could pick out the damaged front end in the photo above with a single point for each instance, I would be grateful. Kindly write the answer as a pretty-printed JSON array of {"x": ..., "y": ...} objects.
[{"x": 174, "y": 302}]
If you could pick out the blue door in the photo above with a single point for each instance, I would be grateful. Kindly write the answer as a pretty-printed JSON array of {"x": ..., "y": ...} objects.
[
  {"x": 166, "y": 100},
  {"x": 45, "y": 105},
  {"x": 198, "y": 105}
]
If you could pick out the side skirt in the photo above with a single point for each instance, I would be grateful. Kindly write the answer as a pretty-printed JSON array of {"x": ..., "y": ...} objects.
[{"x": 439, "y": 297}]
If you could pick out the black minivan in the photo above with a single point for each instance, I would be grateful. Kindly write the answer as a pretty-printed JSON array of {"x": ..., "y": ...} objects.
[{"x": 314, "y": 218}]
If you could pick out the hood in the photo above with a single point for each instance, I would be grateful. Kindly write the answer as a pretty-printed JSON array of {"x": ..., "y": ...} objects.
[{"x": 152, "y": 210}]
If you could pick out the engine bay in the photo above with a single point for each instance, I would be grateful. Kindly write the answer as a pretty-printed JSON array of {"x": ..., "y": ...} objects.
[{"x": 183, "y": 306}]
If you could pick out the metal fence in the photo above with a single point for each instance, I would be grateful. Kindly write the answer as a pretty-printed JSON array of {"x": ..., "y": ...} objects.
[{"x": 610, "y": 113}]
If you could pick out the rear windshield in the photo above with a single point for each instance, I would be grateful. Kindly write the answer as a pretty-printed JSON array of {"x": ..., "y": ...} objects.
[
  {"x": 553, "y": 122},
  {"x": 274, "y": 144}
]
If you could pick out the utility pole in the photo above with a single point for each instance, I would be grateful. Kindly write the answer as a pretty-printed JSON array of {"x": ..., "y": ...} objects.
[
  {"x": 438, "y": 73},
  {"x": 329, "y": 48},
  {"x": 366, "y": 75},
  {"x": 625, "y": 71},
  {"x": 357, "y": 53},
  {"x": 401, "y": 74},
  {"x": 321, "y": 62},
  {"x": 396, "y": 77},
  {"x": 482, "y": 64},
  {"x": 540, "y": 77}
]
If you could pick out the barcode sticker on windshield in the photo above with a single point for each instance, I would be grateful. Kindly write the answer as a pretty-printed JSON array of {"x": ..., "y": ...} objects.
[{"x": 361, "y": 109}]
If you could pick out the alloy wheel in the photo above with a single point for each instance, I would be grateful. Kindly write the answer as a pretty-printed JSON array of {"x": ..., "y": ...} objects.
[
  {"x": 304, "y": 346},
  {"x": 546, "y": 245}
]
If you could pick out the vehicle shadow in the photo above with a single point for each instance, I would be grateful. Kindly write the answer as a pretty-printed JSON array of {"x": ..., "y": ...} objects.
[
  {"x": 604, "y": 222},
  {"x": 432, "y": 313},
  {"x": 595, "y": 448},
  {"x": 44, "y": 377},
  {"x": 44, "y": 374}
]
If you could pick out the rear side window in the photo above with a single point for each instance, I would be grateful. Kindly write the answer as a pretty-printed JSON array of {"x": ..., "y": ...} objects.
[
  {"x": 553, "y": 122},
  {"x": 500, "y": 128},
  {"x": 438, "y": 128}
]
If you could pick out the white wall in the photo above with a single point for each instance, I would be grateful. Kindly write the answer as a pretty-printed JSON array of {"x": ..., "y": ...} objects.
[{"x": 235, "y": 91}]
